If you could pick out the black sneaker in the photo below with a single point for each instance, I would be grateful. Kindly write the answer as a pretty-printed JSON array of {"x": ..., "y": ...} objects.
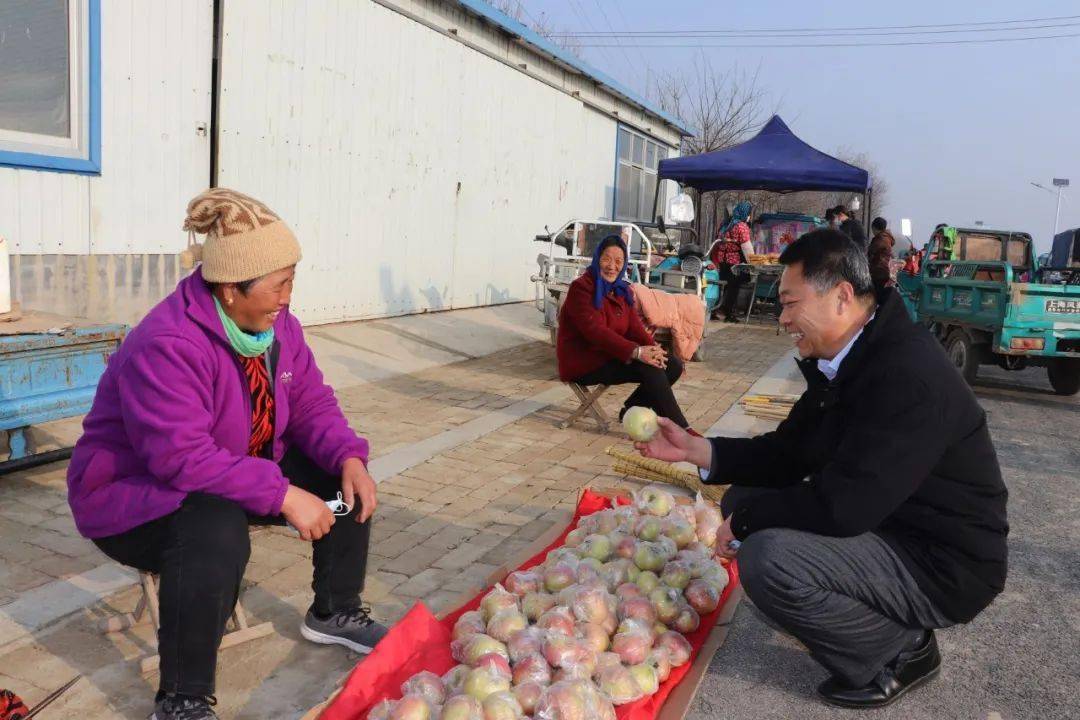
[
  {"x": 353, "y": 628},
  {"x": 170, "y": 706}
]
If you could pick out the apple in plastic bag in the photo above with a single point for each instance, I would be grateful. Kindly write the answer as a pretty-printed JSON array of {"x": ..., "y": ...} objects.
[
  {"x": 618, "y": 685},
  {"x": 495, "y": 663},
  {"x": 676, "y": 574},
  {"x": 702, "y": 596},
  {"x": 645, "y": 676},
  {"x": 557, "y": 620},
  {"x": 502, "y": 705},
  {"x": 654, "y": 501},
  {"x": 597, "y": 547},
  {"x": 534, "y": 669},
  {"x": 528, "y": 695},
  {"x": 677, "y": 647},
  {"x": 594, "y": 635},
  {"x": 678, "y": 530},
  {"x": 427, "y": 685},
  {"x": 648, "y": 528},
  {"x": 525, "y": 642},
  {"x": 479, "y": 645},
  {"x": 649, "y": 557},
  {"x": 462, "y": 707},
  {"x": 535, "y": 604},
  {"x": 481, "y": 682},
  {"x": 647, "y": 581},
  {"x": 505, "y": 623},
  {"x": 496, "y": 600},
  {"x": 470, "y": 623},
  {"x": 659, "y": 659},
  {"x": 639, "y": 607},
  {"x": 522, "y": 582},
  {"x": 640, "y": 423},
  {"x": 411, "y": 707},
  {"x": 631, "y": 647},
  {"x": 559, "y": 576}
]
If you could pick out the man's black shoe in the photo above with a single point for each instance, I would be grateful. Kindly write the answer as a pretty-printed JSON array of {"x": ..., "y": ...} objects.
[{"x": 910, "y": 669}]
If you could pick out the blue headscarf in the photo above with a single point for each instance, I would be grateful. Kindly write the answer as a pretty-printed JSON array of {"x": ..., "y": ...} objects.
[
  {"x": 603, "y": 287},
  {"x": 740, "y": 213}
]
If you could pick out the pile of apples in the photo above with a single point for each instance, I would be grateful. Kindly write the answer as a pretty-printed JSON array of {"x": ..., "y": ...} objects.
[{"x": 600, "y": 623}]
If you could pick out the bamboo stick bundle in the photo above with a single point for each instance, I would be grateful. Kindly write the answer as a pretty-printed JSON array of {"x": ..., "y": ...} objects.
[
  {"x": 770, "y": 407},
  {"x": 634, "y": 465}
]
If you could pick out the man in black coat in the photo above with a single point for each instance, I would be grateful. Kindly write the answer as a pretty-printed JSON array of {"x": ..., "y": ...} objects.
[
  {"x": 850, "y": 226},
  {"x": 876, "y": 512}
]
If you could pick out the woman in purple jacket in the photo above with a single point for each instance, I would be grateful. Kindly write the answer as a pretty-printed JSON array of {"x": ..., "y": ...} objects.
[{"x": 212, "y": 416}]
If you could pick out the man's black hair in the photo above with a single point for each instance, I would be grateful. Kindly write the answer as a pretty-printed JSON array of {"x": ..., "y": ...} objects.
[
  {"x": 829, "y": 257},
  {"x": 841, "y": 210},
  {"x": 879, "y": 224},
  {"x": 941, "y": 225},
  {"x": 829, "y": 215}
]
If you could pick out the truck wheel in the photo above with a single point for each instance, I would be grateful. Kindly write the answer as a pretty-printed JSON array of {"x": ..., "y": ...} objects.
[
  {"x": 962, "y": 354},
  {"x": 1064, "y": 375}
]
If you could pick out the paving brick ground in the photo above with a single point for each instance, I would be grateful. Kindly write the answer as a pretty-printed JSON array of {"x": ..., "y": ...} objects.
[{"x": 442, "y": 527}]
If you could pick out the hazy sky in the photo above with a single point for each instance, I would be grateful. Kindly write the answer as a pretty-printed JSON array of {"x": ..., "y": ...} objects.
[{"x": 959, "y": 131}]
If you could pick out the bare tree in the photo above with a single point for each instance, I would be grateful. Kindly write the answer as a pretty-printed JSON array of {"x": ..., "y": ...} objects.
[
  {"x": 541, "y": 25},
  {"x": 815, "y": 203},
  {"x": 723, "y": 108}
]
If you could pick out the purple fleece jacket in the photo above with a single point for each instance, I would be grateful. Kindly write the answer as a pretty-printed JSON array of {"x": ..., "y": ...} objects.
[{"x": 172, "y": 416}]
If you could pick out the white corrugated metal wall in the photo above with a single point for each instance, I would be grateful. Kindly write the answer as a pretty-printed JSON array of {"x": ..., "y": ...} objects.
[
  {"x": 155, "y": 90},
  {"x": 414, "y": 169},
  {"x": 103, "y": 246}
]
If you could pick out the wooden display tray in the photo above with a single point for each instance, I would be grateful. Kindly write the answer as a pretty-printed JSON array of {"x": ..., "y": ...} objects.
[{"x": 678, "y": 702}]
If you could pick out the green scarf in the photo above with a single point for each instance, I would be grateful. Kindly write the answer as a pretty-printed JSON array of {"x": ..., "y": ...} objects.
[{"x": 244, "y": 343}]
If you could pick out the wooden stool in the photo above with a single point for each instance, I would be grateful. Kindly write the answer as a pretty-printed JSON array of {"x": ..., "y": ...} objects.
[
  {"x": 148, "y": 605},
  {"x": 587, "y": 404}
]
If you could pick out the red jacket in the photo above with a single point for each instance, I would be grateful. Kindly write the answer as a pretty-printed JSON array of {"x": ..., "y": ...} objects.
[{"x": 588, "y": 338}]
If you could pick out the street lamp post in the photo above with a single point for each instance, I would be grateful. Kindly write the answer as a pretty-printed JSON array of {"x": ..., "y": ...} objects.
[{"x": 1059, "y": 183}]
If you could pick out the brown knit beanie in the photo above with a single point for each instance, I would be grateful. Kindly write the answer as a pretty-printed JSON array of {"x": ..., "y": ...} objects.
[{"x": 244, "y": 238}]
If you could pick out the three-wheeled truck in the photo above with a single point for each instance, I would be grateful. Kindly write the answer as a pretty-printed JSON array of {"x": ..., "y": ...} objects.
[{"x": 982, "y": 293}]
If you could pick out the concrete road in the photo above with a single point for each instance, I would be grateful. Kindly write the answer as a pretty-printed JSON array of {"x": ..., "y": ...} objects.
[{"x": 1020, "y": 658}]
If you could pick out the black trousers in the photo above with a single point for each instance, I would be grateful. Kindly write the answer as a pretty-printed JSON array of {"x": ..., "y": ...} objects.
[
  {"x": 849, "y": 600},
  {"x": 199, "y": 553},
  {"x": 654, "y": 385},
  {"x": 731, "y": 289}
]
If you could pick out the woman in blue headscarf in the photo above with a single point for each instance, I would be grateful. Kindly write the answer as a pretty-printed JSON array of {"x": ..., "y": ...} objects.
[
  {"x": 602, "y": 341},
  {"x": 733, "y": 247}
]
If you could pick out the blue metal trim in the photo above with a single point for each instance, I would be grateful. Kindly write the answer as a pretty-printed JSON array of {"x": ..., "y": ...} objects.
[
  {"x": 481, "y": 8},
  {"x": 90, "y": 165}
]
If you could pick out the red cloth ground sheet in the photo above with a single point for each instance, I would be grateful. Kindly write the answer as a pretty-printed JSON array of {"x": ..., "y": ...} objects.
[{"x": 421, "y": 641}]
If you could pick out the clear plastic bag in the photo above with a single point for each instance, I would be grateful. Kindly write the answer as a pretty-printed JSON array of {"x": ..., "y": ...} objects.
[
  {"x": 427, "y": 685},
  {"x": 497, "y": 599}
]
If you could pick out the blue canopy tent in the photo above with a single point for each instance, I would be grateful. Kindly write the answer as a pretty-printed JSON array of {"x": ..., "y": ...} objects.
[{"x": 775, "y": 159}]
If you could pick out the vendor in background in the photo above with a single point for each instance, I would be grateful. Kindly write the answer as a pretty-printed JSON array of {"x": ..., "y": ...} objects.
[
  {"x": 880, "y": 254},
  {"x": 733, "y": 248},
  {"x": 848, "y": 225},
  {"x": 211, "y": 417},
  {"x": 602, "y": 341}
]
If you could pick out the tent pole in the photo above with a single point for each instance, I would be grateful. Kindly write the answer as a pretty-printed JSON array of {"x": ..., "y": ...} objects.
[{"x": 868, "y": 198}]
